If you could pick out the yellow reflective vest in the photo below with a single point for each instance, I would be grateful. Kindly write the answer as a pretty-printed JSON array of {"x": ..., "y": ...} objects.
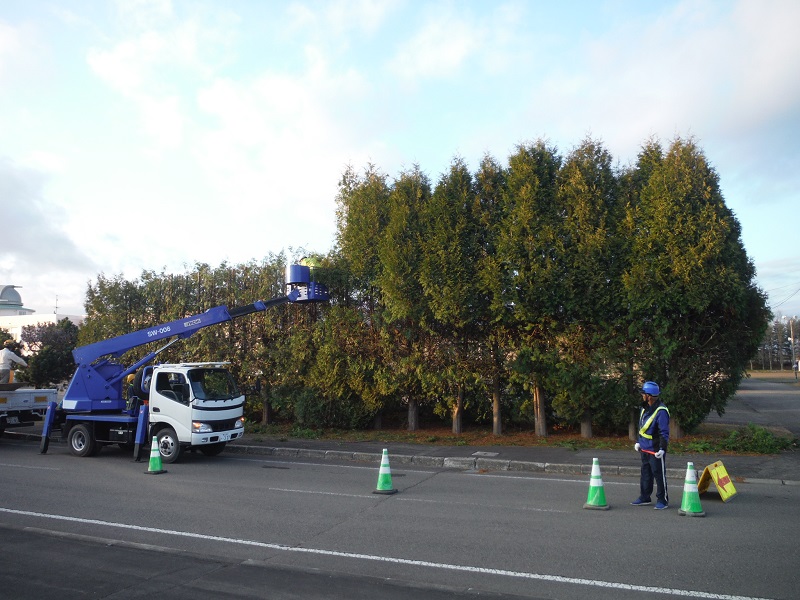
[{"x": 648, "y": 427}]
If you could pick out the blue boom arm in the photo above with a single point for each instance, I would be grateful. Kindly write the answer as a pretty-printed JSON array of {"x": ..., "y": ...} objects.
[{"x": 97, "y": 382}]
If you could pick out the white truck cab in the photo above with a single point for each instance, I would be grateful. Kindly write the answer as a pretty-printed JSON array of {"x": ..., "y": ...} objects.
[{"x": 192, "y": 405}]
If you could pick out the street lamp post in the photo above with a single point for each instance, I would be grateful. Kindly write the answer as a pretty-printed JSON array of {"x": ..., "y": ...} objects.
[
  {"x": 791, "y": 340},
  {"x": 795, "y": 366}
]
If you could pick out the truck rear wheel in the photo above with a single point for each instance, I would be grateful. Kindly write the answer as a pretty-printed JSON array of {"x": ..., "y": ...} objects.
[
  {"x": 80, "y": 440},
  {"x": 168, "y": 445},
  {"x": 212, "y": 449}
]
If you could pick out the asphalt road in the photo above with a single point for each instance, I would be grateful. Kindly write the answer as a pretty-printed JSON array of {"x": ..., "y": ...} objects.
[
  {"x": 267, "y": 527},
  {"x": 764, "y": 402}
]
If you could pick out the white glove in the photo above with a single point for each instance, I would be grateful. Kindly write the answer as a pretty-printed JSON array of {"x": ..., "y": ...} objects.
[
  {"x": 659, "y": 454},
  {"x": 637, "y": 447}
]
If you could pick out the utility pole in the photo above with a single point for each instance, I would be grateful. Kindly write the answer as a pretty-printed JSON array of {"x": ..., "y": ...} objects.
[
  {"x": 791, "y": 341},
  {"x": 795, "y": 366}
]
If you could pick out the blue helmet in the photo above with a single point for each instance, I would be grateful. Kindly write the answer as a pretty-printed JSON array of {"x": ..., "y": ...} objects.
[{"x": 651, "y": 388}]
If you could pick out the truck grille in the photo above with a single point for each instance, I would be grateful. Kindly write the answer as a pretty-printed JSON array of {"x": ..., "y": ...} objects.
[{"x": 222, "y": 425}]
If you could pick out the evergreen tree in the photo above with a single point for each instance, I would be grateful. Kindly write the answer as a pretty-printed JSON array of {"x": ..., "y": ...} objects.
[
  {"x": 491, "y": 315},
  {"x": 695, "y": 309},
  {"x": 530, "y": 255},
  {"x": 405, "y": 337},
  {"x": 447, "y": 276},
  {"x": 588, "y": 287}
]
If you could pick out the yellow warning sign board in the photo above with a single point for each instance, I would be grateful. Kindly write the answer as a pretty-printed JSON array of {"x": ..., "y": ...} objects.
[{"x": 722, "y": 480}]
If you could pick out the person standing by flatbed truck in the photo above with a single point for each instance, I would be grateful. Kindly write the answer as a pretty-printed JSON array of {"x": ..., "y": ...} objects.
[{"x": 7, "y": 359}]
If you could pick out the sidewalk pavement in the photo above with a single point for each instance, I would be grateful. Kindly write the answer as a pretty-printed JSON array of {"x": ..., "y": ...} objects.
[{"x": 779, "y": 469}]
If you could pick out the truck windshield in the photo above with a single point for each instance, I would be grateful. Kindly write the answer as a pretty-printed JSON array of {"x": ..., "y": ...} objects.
[{"x": 213, "y": 384}]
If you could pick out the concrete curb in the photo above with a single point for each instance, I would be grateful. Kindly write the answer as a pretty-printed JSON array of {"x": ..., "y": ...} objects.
[
  {"x": 471, "y": 464},
  {"x": 461, "y": 463}
]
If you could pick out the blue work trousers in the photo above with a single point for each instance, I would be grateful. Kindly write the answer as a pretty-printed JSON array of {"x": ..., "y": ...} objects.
[{"x": 653, "y": 469}]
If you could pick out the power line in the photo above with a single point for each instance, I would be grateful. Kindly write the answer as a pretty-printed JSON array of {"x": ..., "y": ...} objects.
[
  {"x": 784, "y": 286},
  {"x": 785, "y": 300}
]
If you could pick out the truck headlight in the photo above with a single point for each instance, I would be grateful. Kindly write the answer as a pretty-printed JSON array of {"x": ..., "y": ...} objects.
[
  {"x": 198, "y": 427},
  {"x": 239, "y": 423}
]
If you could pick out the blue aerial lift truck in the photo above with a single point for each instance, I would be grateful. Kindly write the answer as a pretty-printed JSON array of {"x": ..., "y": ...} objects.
[{"x": 185, "y": 405}]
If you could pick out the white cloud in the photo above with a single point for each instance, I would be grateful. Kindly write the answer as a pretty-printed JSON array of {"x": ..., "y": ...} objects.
[
  {"x": 163, "y": 120},
  {"x": 36, "y": 251},
  {"x": 439, "y": 50},
  {"x": 337, "y": 19},
  {"x": 689, "y": 71},
  {"x": 10, "y": 44},
  {"x": 145, "y": 13},
  {"x": 126, "y": 67},
  {"x": 21, "y": 54}
]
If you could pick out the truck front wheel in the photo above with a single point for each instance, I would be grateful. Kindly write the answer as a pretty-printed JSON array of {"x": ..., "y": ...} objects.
[
  {"x": 80, "y": 440},
  {"x": 168, "y": 445}
]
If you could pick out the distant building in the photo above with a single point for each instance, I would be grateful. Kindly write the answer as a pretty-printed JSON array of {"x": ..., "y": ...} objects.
[
  {"x": 11, "y": 302},
  {"x": 14, "y": 316}
]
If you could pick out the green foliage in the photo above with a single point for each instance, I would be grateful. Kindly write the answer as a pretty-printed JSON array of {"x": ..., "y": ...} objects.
[
  {"x": 699, "y": 447},
  {"x": 546, "y": 289},
  {"x": 314, "y": 410},
  {"x": 50, "y": 345},
  {"x": 304, "y": 433},
  {"x": 696, "y": 315},
  {"x": 756, "y": 440}
]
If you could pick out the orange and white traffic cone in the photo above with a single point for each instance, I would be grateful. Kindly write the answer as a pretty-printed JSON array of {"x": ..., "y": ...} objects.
[
  {"x": 596, "y": 499},
  {"x": 385, "y": 476},
  {"x": 690, "y": 503}
]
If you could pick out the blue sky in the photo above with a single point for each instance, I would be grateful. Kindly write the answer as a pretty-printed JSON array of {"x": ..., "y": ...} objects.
[{"x": 148, "y": 134}]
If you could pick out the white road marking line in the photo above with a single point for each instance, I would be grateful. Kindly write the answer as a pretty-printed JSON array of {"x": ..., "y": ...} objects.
[
  {"x": 425, "y": 500},
  {"x": 29, "y": 467},
  {"x": 558, "y": 479},
  {"x": 324, "y": 464},
  {"x": 528, "y": 508},
  {"x": 365, "y": 496},
  {"x": 389, "y": 559}
]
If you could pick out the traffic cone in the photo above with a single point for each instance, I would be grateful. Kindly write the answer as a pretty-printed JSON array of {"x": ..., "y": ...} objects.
[
  {"x": 690, "y": 504},
  {"x": 155, "y": 459},
  {"x": 596, "y": 499},
  {"x": 385, "y": 476}
]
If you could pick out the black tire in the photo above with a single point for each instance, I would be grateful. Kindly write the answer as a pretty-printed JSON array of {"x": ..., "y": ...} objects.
[
  {"x": 81, "y": 441},
  {"x": 212, "y": 449},
  {"x": 168, "y": 445}
]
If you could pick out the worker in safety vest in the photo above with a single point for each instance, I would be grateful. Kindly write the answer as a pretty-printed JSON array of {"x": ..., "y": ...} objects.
[{"x": 652, "y": 444}]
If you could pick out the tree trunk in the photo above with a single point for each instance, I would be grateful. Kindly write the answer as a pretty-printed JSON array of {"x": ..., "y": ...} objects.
[
  {"x": 675, "y": 431},
  {"x": 586, "y": 424},
  {"x": 633, "y": 427},
  {"x": 266, "y": 405},
  {"x": 377, "y": 422},
  {"x": 540, "y": 427},
  {"x": 458, "y": 411},
  {"x": 413, "y": 414},
  {"x": 497, "y": 421}
]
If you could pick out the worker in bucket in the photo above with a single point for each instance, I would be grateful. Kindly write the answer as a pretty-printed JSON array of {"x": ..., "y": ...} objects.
[
  {"x": 7, "y": 358},
  {"x": 652, "y": 444}
]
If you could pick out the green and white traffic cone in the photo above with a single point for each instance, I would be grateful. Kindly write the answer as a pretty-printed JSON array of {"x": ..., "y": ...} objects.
[
  {"x": 385, "y": 476},
  {"x": 690, "y": 503},
  {"x": 596, "y": 499},
  {"x": 155, "y": 459}
]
